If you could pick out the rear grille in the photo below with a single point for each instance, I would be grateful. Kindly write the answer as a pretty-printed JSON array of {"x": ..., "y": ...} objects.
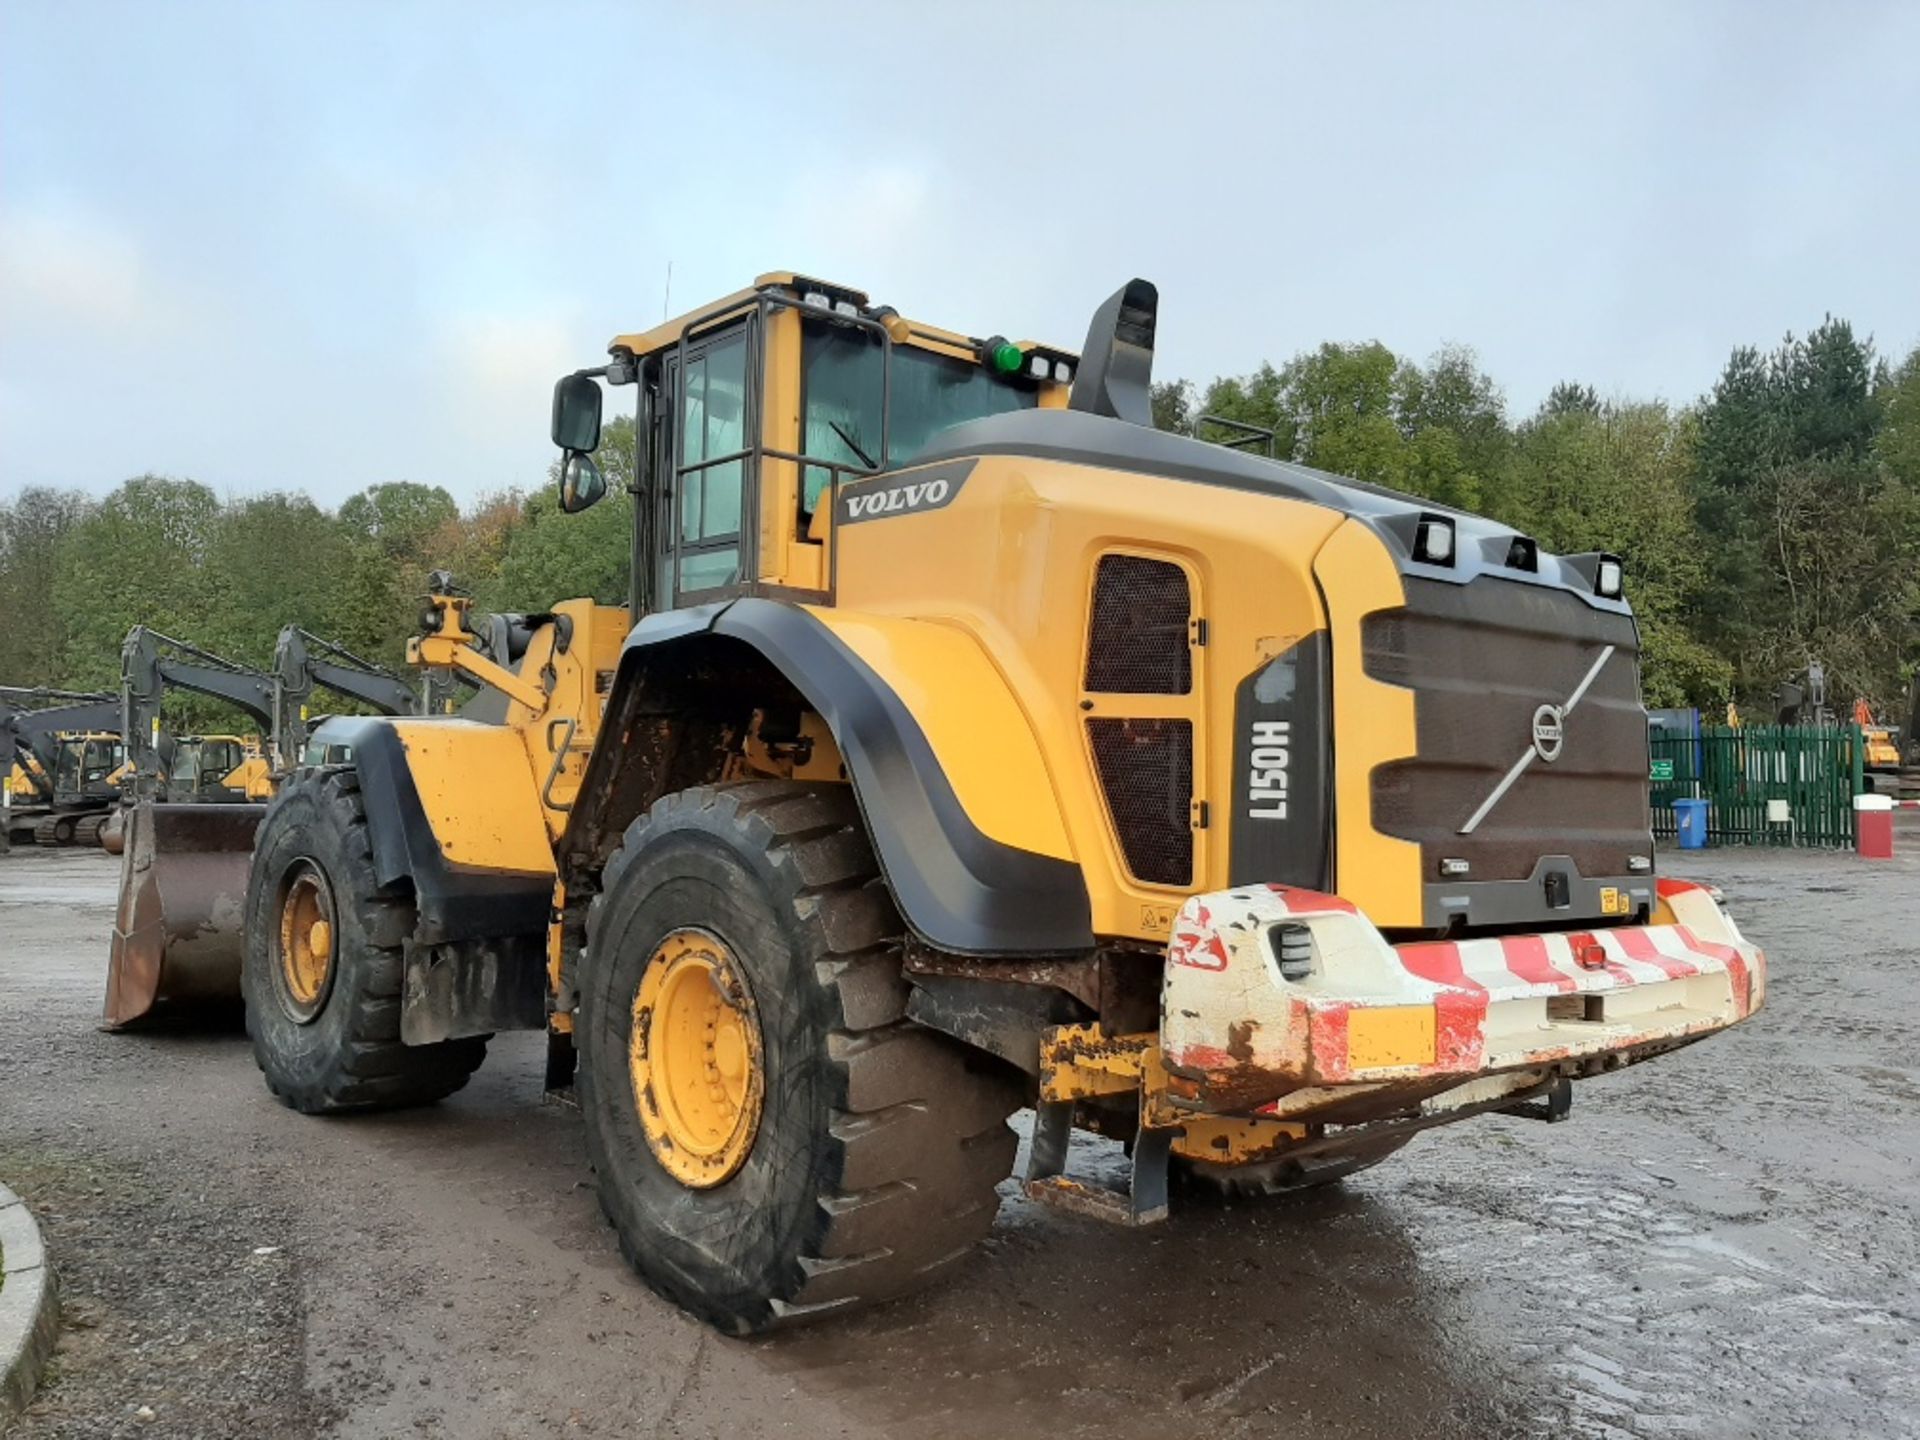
[
  {"x": 1137, "y": 644},
  {"x": 1146, "y": 769},
  {"x": 1480, "y": 660}
]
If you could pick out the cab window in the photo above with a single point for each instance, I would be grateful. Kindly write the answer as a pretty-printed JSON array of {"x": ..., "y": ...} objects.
[{"x": 841, "y": 386}]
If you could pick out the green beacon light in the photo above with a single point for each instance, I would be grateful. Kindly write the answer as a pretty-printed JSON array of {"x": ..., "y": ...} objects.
[{"x": 1004, "y": 356}]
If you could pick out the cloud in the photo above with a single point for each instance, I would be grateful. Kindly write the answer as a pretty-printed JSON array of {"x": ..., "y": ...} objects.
[
  {"x": 63, "y": 272},
  {"x": 494, "y": 375},
  {"x": 865, "y": 218}
]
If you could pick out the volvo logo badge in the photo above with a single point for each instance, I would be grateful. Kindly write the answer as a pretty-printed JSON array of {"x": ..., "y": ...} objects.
[{"x": 1548, "y": 732}]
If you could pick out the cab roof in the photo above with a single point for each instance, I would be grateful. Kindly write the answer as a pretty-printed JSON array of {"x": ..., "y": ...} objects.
[{"x": 670, "y": 332}]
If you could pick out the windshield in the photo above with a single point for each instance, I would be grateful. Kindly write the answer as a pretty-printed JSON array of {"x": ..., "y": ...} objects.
[{"x": 840, "y": 379}]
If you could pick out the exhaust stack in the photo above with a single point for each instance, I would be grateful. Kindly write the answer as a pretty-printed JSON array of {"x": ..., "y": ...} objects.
[{"x": 1115, "y": 378}]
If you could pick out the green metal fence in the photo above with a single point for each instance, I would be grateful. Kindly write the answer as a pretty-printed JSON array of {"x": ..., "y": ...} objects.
[{"x": 1763, "y": 784}]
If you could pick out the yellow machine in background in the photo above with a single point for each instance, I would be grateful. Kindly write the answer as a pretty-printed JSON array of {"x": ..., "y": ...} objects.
[
  {"x": 968, "y": 745},
  {"x": 1881, "y": 741},
  {"x": 215, "y": 768}
]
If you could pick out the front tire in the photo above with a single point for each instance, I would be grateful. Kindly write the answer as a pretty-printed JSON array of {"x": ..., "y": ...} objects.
[
  {"x": 871, "y": 1146},
  {"x": 323, "y": 967}
]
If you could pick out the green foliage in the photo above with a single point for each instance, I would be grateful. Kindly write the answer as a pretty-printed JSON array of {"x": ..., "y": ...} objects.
[
  {"x": 1806, "y": 487},
  {"x": 1173, "y": 406},
  {"x": 1619, "y": 478},
  {"x": 1437, "y": 430},
  {"x": 32, "y": 529},
  {"x": 1569, "y": 397},
  {"x": 138, "y": 558},
  {"x": 1898, "y": 443},
  {"x": 397, "y": 517},
  {"x": 274, "y": 560},
  {"x": 551, "y": 555}
]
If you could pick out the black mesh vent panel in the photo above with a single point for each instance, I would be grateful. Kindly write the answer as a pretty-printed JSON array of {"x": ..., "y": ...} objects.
[
  {"x": 1146, "y": 769},
  {"x": 1137, "y": 644}
]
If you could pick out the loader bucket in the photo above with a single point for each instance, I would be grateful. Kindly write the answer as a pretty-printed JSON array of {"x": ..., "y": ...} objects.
[{"x": 178, "y": 929}]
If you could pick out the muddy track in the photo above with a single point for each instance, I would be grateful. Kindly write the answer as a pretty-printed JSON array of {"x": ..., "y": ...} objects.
[{"x": 1722, "y": 1243}]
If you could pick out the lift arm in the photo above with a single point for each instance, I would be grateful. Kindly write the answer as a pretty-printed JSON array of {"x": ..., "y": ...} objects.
[{"x": 451, "y": 645}]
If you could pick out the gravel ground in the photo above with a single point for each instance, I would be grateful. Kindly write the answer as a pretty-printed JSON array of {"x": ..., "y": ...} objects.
[{"x": 1721, "y": 1243}]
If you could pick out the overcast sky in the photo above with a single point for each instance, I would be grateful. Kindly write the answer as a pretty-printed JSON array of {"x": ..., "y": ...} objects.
[{"x": 278, "y": 246}]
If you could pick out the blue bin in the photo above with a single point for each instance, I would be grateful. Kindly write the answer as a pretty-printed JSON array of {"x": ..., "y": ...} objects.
[{"x": 1690, "y": 820}]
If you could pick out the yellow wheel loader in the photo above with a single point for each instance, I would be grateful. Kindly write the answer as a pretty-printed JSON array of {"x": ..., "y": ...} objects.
[{"x": 969, "y": 745}]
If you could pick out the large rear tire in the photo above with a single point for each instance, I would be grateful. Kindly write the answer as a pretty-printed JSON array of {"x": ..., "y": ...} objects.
[
  {"x": 859, "y": 1160},
  {"x": 323, "y": 967}
]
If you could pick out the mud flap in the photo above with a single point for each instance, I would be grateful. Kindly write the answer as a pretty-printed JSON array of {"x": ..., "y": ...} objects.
[
  {"x": 473, "y": 987},
  {"x": 179, "y": 927}
]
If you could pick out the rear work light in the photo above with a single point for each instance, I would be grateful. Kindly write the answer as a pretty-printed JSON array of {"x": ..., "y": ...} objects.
[
  {"x": 1433, "y": 540},
  {"x": 1608, "y": 578}
]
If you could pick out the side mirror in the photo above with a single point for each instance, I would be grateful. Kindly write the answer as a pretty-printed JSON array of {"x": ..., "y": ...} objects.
[
  {"x": 576, "y": 414},
  {"x": 581, "y": 483}
]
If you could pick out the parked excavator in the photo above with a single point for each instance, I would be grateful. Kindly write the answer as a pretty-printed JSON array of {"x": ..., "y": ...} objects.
[
  {"x": 968, "y": 744},
  {"x": 64, "y": 757},
  {"x": 185, "y": 865}
]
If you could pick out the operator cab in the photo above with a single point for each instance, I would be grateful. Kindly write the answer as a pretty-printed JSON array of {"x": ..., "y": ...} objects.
[
  {"x": 754, "y": 408},
  {"x": 86, "y": 764}
]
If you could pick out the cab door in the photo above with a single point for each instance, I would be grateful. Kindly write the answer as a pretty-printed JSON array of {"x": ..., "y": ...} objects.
[{"x": 706, "y": 453}]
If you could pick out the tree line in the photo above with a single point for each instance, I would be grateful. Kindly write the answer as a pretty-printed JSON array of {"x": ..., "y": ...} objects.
[{"x": 1774, "y": 521}]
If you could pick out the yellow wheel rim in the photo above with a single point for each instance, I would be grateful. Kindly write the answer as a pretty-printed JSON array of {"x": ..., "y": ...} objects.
[
  {"x": 306, "y": 940},
  {"x": 695, "y": 1057}
]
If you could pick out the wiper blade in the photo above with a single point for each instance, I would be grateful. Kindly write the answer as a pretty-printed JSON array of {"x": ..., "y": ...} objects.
[{"x": 853, "y": 445}]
